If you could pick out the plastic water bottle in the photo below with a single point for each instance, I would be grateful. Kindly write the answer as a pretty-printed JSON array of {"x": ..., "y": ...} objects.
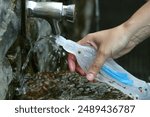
[{"x": 111, "y": 72}]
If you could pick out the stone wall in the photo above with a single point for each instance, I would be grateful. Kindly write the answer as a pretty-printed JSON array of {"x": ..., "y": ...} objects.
[{"x": 9, "y": 29}]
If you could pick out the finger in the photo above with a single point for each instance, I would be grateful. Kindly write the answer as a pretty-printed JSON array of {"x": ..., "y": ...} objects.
[
  {"x": 86, "y": 39},
  {"x": 89, "y": 40},
  {"x": 71, "y": 62},
  {"x": 95, "y": 67},
  {"x": 79, "y": 70},
  {"x": 92, "y": 44}
]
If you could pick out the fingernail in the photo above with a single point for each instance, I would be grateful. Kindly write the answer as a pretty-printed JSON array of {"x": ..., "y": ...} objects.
[{"x": 90, "y": 76}]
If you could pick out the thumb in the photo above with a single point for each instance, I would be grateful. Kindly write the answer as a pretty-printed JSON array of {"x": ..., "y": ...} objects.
[
  {"x": 95, "y": 67},
  {"x": 87, "y": 38}
]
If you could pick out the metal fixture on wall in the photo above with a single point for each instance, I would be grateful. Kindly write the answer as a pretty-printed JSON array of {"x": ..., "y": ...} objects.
[{"x": 53, "y": 12}]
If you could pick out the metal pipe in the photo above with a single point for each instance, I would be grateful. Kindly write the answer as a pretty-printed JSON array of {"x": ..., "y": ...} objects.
[{"x": 55, "y": 10}]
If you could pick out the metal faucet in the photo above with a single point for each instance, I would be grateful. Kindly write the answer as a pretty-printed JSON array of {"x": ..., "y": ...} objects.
[{"x": 53, "y": 12}]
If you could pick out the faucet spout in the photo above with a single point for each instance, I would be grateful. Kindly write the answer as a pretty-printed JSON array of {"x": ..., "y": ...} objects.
[{"x": 55, "y": 10}]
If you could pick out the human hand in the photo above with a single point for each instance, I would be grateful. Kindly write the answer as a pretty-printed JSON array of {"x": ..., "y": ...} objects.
[{"x": 112, "y": 43}]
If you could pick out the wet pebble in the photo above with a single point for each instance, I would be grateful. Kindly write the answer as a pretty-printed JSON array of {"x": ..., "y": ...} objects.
[{"x": 66, "y": 85}]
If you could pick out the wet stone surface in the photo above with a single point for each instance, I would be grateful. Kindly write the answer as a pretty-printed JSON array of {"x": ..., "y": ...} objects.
[
  {"x": 64, "y": 85},
  {"x": 9, "y": 29}
]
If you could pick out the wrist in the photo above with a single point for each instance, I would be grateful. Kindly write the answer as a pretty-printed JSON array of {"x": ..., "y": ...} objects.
[
  {"x": 135, "y": 32},
  {"x": 127, "y": 29},
  {"x": 130, "y": 27}
]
